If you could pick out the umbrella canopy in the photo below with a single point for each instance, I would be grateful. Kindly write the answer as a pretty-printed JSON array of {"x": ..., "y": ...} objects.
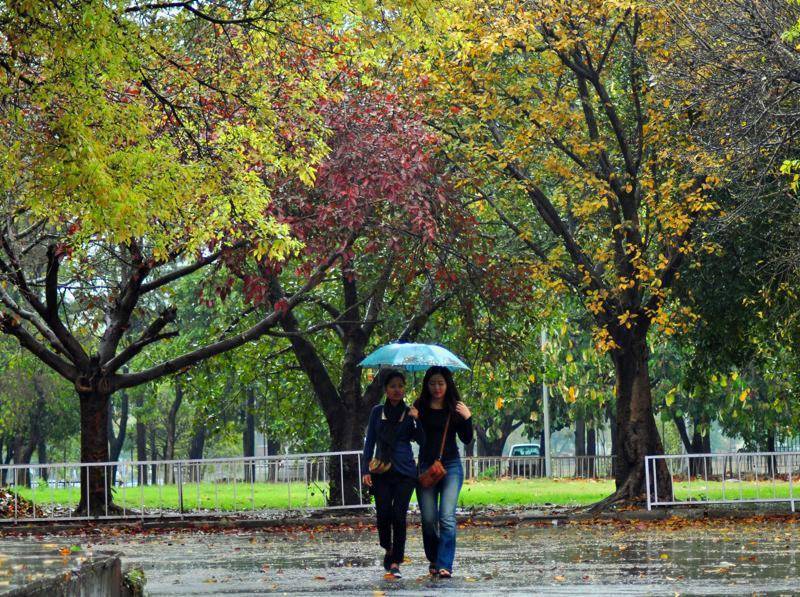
[{"x": 413, "y": 357}]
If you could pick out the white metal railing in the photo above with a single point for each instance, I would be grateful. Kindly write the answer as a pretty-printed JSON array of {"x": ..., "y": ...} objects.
[
  {"x": 573, "y": 467},
  {"x": 228, "y": 486},
  {"x": 725, "y": 478},
  {"x": 182, "y": 488}
]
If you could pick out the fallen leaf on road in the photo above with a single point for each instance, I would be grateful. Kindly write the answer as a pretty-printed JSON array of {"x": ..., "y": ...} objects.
[{"x": 560, "y": 578}]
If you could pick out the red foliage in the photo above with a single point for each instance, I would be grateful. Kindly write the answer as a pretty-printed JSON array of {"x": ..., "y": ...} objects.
[
  {"x": 380, "y": 182},
  {"x": 379, "y": 179}
]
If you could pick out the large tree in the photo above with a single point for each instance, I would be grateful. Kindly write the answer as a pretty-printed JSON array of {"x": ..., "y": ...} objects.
[
  {"x": 138, "y": 144},
  {"x": 556, "y": 115},
  {"x": 381, "y": 187}
]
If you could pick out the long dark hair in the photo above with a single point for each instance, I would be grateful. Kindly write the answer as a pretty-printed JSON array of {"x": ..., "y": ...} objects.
[{"x": 451, "y": 395}]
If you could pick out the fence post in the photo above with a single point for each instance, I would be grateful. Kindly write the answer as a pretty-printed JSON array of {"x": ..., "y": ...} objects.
[
  {"x": 180, "y": 488},
  {"x": 647, "y": 480}
]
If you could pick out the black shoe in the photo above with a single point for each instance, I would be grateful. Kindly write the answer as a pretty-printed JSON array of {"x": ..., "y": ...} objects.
[{"x": 395, "y": 571}]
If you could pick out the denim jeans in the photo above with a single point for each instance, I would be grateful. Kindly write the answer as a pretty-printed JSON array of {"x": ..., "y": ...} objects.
[{"x": 437, "y": 506}]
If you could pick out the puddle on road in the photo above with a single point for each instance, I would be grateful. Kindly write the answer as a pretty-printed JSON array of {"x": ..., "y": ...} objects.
[{"x": 721, "y": 558}]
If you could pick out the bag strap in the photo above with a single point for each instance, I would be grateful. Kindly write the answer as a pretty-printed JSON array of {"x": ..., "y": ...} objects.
[{"x": 444, "y": 437}]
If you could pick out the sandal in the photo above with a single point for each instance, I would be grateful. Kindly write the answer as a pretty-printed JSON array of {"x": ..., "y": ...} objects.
[
  {"x": 433, "y": 570},
  {"x": 445, "y": 573}
]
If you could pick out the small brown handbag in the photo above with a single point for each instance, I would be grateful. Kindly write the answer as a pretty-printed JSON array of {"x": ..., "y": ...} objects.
[{"x": 435, "y": 472}]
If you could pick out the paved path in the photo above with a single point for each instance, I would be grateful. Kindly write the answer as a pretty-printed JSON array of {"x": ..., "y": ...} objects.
[{"x": 670, "y": 557}]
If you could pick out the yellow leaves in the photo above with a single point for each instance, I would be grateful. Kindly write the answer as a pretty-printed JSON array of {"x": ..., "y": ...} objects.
[
  {"x": 572, "y": 395},
  {"x": 603, "y": 341},
  {"x": 627, "y": 319},
  {"x": 534, "y": 416},
  {"x": 670, "y": 397},
  {"x": 744, "y": 395},
  {"x": 498, "y": 404},
  {"x": 532, "y": 378}
]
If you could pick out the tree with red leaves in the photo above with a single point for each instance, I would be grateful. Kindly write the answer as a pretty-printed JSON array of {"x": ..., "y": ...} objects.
[{"x": 382, "y": 190}]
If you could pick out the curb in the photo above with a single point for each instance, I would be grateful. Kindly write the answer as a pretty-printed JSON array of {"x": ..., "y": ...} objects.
[{"x": 367, "y": 519}]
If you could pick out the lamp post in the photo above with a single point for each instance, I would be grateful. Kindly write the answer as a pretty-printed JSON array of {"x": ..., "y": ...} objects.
[{"x": 546, "y": 407}]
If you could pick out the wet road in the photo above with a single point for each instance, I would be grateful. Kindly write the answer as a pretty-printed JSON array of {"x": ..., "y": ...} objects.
[{"x": 709, "y": 558}]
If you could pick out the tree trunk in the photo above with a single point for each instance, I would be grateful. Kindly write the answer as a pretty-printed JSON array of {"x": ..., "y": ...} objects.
[
  {"x": 6, "y": 461},
  {"x": 249, "y": 435},
  {"x": 116, "y": 441},
  {"x": 580, "y": 447},
  {"x": 347, "y": 433},
  {"x": 274, "y": 449},
  {"x": 96, "y": 498},
  {"x": 591, "y": 451},
  {"x": 141, "y": 442},
  {"x": 636, "y": 431},
  {"x": 696, "y": 464},
  {"x": 41, "y": 455},
  {"x": 680, "y": 424},
  {"x": 699, "y": 443},
  {"x": 489, "y": 447},
  {"x": 197, "y": 446},
  {"x": 771, "y": 448},
  {"x": 169, "y": 444},
  {"x": 23, "y": 450},
  {"x": 153, "y": 455},
  {"x": 26, "y": 443}
]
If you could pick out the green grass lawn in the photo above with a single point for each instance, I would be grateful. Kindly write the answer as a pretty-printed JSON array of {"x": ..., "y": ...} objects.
[
  {"x": 504, "y": 492},
  {"x": 522, "y": 492}
]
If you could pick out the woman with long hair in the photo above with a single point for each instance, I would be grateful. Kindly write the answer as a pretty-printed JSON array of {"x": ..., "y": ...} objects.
[
  {"x": 392, "y": 473},
  {"x": 443, "y": 417}
]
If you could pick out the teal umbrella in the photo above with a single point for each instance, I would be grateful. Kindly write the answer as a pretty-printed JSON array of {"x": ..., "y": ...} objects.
[{"x": 413, "y": 357}]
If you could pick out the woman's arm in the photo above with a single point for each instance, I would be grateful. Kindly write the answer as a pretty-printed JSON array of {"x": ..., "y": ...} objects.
[
  {"x": 464, "y": 427},
  {"x": 369, "y": 444}
]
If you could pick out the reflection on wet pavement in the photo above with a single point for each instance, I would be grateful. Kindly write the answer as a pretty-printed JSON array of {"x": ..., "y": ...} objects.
[{"x": 717, "y": 557}]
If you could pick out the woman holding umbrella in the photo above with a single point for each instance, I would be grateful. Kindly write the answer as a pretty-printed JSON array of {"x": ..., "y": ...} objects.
[
  {"x": 392, "y": 473},
  {"x": 443, "y": 416}
]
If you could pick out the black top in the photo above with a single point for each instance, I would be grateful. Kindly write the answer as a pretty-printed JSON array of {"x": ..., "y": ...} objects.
[{"x": 433, "y": 422}]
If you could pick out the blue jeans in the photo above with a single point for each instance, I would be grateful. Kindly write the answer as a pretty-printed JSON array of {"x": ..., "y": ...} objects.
[{"x": 437, "y": 505}]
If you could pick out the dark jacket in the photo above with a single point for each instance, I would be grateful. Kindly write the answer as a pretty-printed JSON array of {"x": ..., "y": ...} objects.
[
  {"x": 402, "y": 456},
  {"x": 433, "y": 423}
]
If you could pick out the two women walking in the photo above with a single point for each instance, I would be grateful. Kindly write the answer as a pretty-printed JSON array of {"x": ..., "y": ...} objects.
[{"x": 434, "y": 421}]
